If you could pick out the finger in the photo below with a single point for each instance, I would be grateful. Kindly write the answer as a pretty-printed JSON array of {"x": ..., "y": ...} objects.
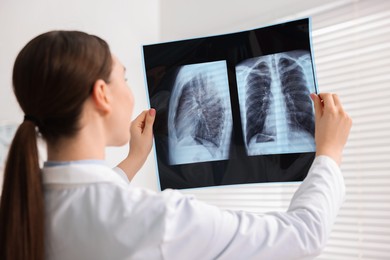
[
  {"x": 139, "y": 121},
  {"x": 328, "y": 101},
  {"x": 337, "y": 101},
  {"x": 150, "y": 116},
  {"x": 317, "y": 105}
]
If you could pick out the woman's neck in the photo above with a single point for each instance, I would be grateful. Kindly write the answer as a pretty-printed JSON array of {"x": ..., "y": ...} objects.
[{"x": 86, "y": 145}]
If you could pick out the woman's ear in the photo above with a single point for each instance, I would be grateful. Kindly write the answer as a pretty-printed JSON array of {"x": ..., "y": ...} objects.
[{"x": 100, "y": 96}]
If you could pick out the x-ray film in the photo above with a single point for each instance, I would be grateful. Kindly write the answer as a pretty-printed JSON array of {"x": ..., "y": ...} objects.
[{"x": 233, "y": 108}]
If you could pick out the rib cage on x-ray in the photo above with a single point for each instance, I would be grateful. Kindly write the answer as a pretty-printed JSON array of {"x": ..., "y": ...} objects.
[
  {"x": 199, "y": 118},
  {"x": 278, "y": 114}
]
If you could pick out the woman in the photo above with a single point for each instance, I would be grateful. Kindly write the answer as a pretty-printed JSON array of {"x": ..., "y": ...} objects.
[{"x": 73, "y": 93}]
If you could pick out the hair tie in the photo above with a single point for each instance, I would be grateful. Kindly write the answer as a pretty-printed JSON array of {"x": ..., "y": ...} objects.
[{"x": 32, "y": 119}]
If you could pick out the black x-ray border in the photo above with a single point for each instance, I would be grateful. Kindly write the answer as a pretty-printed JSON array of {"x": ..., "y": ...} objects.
[{"x": 161, "y": 62}]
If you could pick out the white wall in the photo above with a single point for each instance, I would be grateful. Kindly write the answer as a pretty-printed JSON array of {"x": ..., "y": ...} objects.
[
  {"x": 124, "y": 24},
  {"x": 195, "y": 18}
]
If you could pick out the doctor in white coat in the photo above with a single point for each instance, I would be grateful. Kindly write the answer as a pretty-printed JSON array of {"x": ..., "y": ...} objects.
[{"x": 74, "y": 94}]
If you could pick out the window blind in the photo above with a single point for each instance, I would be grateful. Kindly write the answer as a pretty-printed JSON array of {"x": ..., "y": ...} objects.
[{"x": 351, "y": 41}]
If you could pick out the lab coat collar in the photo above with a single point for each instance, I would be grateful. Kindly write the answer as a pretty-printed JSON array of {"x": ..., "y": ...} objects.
[{"x": 76, "y": 174}]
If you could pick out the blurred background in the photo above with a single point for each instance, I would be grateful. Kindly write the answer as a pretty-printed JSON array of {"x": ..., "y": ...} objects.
[{"x": 351, "y": 41}]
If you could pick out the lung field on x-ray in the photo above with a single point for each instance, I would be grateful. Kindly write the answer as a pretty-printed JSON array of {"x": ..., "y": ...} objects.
[
  {"x": 276, "y": 109},
  {"x": 200, "y": 105},
  {"x": 258, "y": 100},
  {"x": 296, "y": 93},
  {"x": 199, "y": 118}
]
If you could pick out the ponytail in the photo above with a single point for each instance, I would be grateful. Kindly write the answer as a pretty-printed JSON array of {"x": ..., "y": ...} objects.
[
  {"x": 22, "y": 205},
  {"x": 52, "y": 78}
]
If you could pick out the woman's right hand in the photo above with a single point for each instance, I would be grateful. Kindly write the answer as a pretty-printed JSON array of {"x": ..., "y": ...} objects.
[
  {"x": 141, "y": 140},
  {"x": 332, "y": 125}
]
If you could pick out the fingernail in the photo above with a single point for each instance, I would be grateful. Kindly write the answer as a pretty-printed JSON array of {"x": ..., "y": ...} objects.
[{"x": 152, "y": 112}]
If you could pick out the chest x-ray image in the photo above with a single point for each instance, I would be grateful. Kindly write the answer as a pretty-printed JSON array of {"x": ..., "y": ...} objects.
[
  {"x": 233, "y": 108},
  {"x": 276, "y": 110},
  {"x": 199, "y": 118}
]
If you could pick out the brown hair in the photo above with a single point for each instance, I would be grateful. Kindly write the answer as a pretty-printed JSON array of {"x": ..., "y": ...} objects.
[{"x": 53, "y": 76}]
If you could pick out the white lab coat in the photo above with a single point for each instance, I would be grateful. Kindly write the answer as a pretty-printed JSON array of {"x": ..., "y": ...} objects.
[{"x": 93, "y": 213}]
